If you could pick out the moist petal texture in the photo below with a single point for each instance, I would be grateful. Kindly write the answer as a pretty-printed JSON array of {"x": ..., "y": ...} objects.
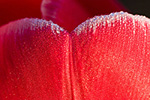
[
  {"x": 111, "y": 58},
  {"x": 106, "y": 57},
  {"x": 34, "y": 61}
]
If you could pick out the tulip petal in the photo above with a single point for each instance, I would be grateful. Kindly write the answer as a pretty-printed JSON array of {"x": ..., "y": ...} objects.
[
  {"x": 106, "y": 57},
  {"x": 70, "y": 13},
  {"x": 34, "y": 61},
  {"x": 111, "y": 58}
]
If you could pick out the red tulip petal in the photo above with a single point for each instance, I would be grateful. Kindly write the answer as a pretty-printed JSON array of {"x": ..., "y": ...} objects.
[
  {"x": 111, "y": 58},
  {"x": 34, "y": 61},
  {"x": 15, "y": 9},
  {"x": 70, "y": 13}
]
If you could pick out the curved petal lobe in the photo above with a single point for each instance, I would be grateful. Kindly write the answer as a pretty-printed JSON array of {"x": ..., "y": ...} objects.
[
  {"x": 34, "y": 61},
  {"x": 111, "y": 58}
]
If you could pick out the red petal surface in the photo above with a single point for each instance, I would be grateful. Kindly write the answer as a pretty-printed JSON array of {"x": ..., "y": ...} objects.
[
  {"x": 15, "y": 9},
  {"x": 104, "y": 58},
  {"x": 111, "y": 58},
  {"x": 70, "y": 13},
  {"x": 34, "y": 61}
]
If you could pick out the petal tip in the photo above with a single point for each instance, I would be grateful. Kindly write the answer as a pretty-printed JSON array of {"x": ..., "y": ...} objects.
[{"x": 108, "y": 20}]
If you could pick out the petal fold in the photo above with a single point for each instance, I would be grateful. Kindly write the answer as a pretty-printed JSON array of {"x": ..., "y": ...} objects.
[{"x": 106, "y": 57}]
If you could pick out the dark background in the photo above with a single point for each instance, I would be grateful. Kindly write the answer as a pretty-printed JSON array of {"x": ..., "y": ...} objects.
[
  {"x": 141, "y": 7},
  {"x": 11, "y": 10}
]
